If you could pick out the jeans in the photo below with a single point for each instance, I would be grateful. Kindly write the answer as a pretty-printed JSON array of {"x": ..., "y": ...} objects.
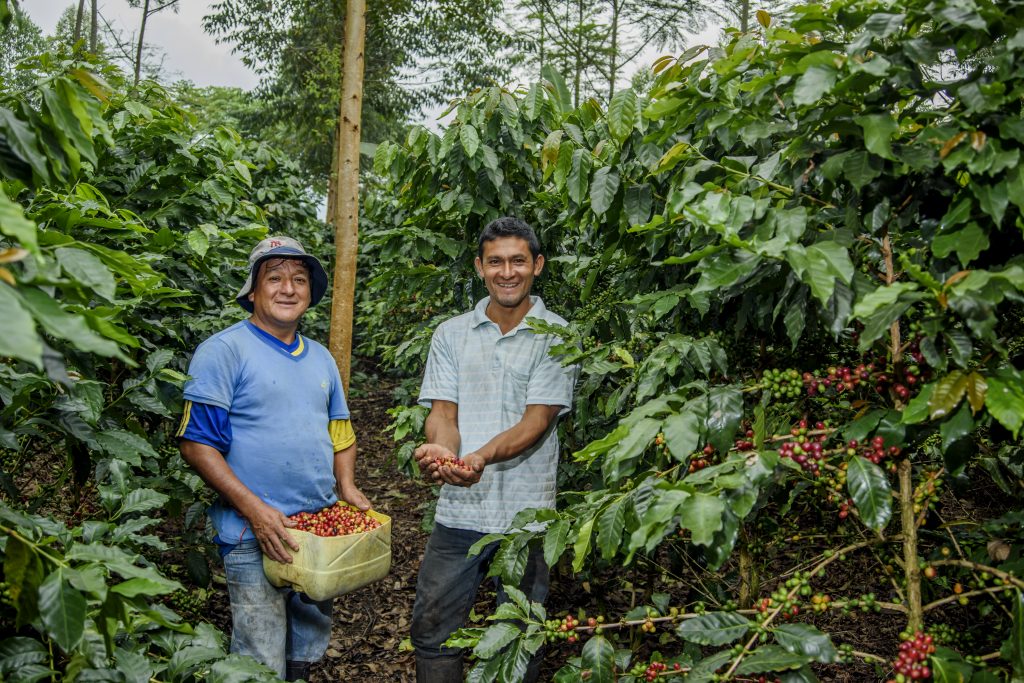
[
  {"x": 447, "y": 585},
  {"x": 272, "y": 625}
]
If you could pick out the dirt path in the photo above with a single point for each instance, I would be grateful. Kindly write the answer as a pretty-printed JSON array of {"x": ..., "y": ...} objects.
[{"x": 371, "y": 623}]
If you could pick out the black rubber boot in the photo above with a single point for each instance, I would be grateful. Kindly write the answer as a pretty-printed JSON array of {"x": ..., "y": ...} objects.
[
  {"x": 439, "y": 670},
  {"x": 297, "y": 671}
]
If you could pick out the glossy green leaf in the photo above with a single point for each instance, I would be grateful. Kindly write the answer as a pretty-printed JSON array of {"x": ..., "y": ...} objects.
[
  {"x": 714, "y": 628},
  {"x": 533, "y": 102},
  {"x": 879, "y": 130},
  {"x": 23, "y": 573},
  {"x": 603, "y": 188},
  {"x": 578, "y": 180},
  {"x": 599, "y": 658},
  {"x": 495, "y": 638},
  {"x": 554, "y": 540},
  {"x": 622, "y": 111},
  {"x": 804, "y": 639},
  {"x": 470, "y": 139},
  {"x": 19, "y": 339},
  {"x": 814, "y": 84},
  {"x": 948, "y": 393},
  {"x": 869, "y": 489},
  {"x": 1005, "y": 399},
  {"x": 610, "y": 525},
  {"x": 682, "y": 433},
  {"x": 771, "y": 658},
  {"x": 67, "y": 326},
  {"x": 725, "y": 410},
  {"x": 62, "y": 611},
  {"x": 702, "y": 515},
  {"x": 87, "y": 268},
  {"x": 24, "y": 143},
  {"x": 581, "y": 548},
  {"x": 14, "y": 224}
]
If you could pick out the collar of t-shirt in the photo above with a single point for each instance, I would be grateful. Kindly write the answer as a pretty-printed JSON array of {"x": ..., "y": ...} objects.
[{"x": 274, "y": 340}]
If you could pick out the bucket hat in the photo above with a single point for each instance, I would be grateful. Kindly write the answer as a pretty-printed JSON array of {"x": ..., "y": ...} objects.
[{"x": 283, "y": 247}]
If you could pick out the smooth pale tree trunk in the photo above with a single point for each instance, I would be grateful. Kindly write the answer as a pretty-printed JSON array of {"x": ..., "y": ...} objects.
[
  {"x": 744, "y": 16},
  {"x": 613, "y": 66},
  {"x": 346, "y": 209},
  {"x": 142, "y": 33}
]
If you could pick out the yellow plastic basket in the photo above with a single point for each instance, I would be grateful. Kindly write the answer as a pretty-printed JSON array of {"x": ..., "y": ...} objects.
[{"x": 328, "y": 566}]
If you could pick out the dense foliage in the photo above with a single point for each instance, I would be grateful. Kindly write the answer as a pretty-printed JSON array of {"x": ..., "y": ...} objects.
[
  {"x": 793, "y": 275},
  {"x": 124, "y": 229}
]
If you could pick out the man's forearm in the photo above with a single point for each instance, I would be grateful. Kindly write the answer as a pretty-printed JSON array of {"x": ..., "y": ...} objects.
[
  {"x": 444, "y": 431},
  {"x": 345, "y": 466},
  {"x": 514, "y": 441}
]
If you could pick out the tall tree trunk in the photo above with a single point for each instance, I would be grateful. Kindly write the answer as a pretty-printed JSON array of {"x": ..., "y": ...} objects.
[
  {"x": 94, "y": 27},
  {"x": 142, "y": 34},
  {"x": 614, "y": 52},
  {"x": 579, "y": 54},
  {"x": 79, "y": 16},
  {"x": 346, "y": 211},
  {"x": 543, "y": 26},
  {"x": 744, "y": 15}
]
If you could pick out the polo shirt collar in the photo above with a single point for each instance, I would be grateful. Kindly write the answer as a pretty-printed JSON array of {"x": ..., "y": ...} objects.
[{"x": 537, "y": 310}]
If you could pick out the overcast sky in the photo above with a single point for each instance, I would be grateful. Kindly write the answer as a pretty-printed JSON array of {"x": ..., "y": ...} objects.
[{"x": 190, "y": 53}]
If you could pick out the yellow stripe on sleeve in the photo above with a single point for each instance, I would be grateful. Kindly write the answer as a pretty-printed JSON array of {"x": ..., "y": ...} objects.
[
  {"x": 184, "y": 419},
  {"x": 342, "y": 434}
]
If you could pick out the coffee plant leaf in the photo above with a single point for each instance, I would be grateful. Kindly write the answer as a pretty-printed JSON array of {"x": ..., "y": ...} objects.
[
  {"x": 18, "y": 652},
  {"x": 949, "y": 667},
  {"x": 578, "y": 179},
  {"x": 23, "y": 572},
  {"x": 555, "y": 539},
  {"x": 948, "y": 393},
  {"x": 133, "y": 666},
  {"x": 581, "y": 546},
  {"x": 802, "y": 675},
  {"x": 598, "y": 657},
  {"x": 20, "y": 339},
  {"x": 73, "y": 328},
  {"x": 610, "y": 526},
  {"x": 805, "y": 639},
  {"x": 715, "y": 628},
  {"x": 622, "y": 112},
  {"x": 956, "y": 427},
  {"x": 682, "y": 433},
  {"x": 870, "y": 491},
  {"x": 494, "y": 638},
  {"x": 603, "y": 189},
  {"x": 917, "y": 410},
  {"x": 188, "y": 659},
  {"x": 705, "y": 670},
  {"x": 62, "y": 610},
  {"x": 702, "y": 515},
  {"x": 725, "y": 410},
  {"x": 771, "y": 658},
  {"x": 145, "y": 586},
  {"x": 1005, "y": 399},
  {"x": 15, "y": 225}
]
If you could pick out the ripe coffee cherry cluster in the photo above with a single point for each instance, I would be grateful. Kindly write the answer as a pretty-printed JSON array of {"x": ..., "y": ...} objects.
[
  {"x": 840, "y": 379},
  {"x": 782, "y": 384},
  {"x": 699, "y": 461},
  {"x": 875, "y": 450},
  {"x": 745, "y": 443},
  {"x": 911, "y": 663},
  {"x": 336, "y": 520},
  {"x": 561, "y": 629},
  {"x": 805, "y": 450},
  {"x": 457, "y": 463}
]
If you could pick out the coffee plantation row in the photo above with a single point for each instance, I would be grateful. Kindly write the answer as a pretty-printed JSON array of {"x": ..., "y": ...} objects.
[{"x": 803, "y": 244}]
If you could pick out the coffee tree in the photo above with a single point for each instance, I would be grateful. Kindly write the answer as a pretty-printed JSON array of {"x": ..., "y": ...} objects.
[
  {"x": 124, "y": 228},
  {"x": 793, "y": 275}
]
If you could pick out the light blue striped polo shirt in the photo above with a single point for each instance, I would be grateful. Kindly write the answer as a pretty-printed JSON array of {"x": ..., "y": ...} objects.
[{"x": 493, "y": 377}]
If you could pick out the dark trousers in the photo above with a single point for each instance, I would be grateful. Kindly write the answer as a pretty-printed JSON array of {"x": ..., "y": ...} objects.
[{"x": 446, "y": 589}]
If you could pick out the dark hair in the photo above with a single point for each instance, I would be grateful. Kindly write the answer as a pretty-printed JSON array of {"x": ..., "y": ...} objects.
[{"x": 508, "y": 226}]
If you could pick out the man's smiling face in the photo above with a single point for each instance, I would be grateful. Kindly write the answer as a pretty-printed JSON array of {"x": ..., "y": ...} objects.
[{"x": 508, "y": 269}]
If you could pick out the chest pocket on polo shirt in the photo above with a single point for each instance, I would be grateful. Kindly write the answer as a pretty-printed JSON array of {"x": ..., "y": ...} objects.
[{"x": 516, "y": 383}]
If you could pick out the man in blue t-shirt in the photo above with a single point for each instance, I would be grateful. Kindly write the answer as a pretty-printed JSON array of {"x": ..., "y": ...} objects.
[{"x": 266, "y": 426}]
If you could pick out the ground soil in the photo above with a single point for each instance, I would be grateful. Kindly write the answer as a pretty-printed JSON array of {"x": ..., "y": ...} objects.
[{"x": 370, "y": 637}]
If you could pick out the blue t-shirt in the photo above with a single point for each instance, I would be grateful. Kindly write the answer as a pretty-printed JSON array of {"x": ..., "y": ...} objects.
[{"x": 279, "y": 403}]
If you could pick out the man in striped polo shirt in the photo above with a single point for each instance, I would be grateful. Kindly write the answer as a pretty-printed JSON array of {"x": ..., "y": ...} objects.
[{"x": 495, "y": 395}]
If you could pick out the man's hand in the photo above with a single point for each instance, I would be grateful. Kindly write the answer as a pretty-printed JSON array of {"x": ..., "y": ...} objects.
[
  {"x": 428, "y": 455},
  {"x": 461, "y": 476},
  {"x": 353, "y": 496},
  {"x": 270, "y": 526}
]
